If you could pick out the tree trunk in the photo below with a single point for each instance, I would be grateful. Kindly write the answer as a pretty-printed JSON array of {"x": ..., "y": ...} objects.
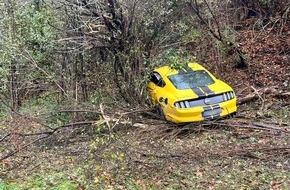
[{"x": 12, "y": 77}]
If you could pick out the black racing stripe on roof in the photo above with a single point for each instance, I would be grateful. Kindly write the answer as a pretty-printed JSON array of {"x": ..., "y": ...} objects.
[
  {"x": 208, "y": 91},
  {"x": 188, "y": 69},
  {"x": 181, "y": 71}
]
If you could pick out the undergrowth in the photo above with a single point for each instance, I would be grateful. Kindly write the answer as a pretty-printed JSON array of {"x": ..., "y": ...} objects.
[{"x": 153, "y": 156}]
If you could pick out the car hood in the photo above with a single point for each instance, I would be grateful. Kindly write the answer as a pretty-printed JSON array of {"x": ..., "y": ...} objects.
[{"x": 216, "y": 88}]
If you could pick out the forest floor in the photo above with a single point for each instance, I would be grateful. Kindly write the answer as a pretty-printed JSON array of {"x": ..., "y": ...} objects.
[{"x": 134, "y": 150}]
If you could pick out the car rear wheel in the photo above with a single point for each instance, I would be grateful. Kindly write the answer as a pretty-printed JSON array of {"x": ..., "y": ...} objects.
[{"x": 160, "y": 113}]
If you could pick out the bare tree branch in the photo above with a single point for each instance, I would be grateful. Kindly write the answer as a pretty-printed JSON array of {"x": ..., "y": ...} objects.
[{"x": 195, "y": 8}]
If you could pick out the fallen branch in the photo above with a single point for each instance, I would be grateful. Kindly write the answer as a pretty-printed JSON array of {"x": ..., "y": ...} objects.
[
  {"x": 105, "y": 117},
  {"x": 257, "y": 94},
  {"x": 46, "y": 135},
  {"x": 106, "y": 120},
  {"x": 248, "y": 152},
  {"x": 248, "y": 125},
  {"x": 267, "y": 126},
  {"x": 160, "y": 155},
  {"x": 22, "y": 148},
  {"x": 67, "y": 111},
  {"x": 285, "y": 94},
  {"x": 4, "y": 137}
]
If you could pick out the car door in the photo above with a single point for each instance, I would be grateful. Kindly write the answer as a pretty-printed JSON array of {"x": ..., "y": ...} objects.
[{"x": 156, "y": 87}]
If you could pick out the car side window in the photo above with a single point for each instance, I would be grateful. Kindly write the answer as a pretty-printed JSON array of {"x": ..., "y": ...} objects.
[{"x": 157, "y": 79}]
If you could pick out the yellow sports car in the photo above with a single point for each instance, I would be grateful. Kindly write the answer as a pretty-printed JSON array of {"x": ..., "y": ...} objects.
[{"x": 190, "y": 94}]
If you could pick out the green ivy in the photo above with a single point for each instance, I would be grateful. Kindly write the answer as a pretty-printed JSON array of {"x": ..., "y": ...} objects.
[
  {"x": 175, "y": 58},
  {"x": 35, "y": 32}
]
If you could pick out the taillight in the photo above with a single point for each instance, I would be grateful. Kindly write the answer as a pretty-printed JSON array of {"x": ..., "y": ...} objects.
[
  {"x": 228, "y": 96},
  {"x": 182, "y": 104}
]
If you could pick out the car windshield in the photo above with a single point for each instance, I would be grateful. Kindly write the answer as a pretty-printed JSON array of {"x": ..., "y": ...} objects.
[{"x": 191, "y": 79}]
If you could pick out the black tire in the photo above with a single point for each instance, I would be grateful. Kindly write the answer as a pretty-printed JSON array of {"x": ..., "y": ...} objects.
[{"x": 160, "y": 113}]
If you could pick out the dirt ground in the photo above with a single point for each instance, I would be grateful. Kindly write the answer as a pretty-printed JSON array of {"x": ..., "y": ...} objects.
[
  {"x": 137, "y": 151},
  {"x": 141, "y": 152}
]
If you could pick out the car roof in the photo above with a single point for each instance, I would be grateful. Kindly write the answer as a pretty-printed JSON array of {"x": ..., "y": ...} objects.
[{"x": 167, "y": 70}]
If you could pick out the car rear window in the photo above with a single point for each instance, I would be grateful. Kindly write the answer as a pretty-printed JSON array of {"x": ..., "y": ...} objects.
[{"x": 191, "y": 79}]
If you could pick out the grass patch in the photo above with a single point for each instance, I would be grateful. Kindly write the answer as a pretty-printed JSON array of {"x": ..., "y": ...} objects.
[{"x": 53, "y": 182}]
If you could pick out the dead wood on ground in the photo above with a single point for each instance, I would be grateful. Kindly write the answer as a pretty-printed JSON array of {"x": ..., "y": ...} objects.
[
  {"x": 260, "y": 93},
  {"x": 155, "y": 129}
]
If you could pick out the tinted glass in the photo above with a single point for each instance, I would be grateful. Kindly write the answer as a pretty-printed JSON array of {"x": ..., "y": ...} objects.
[
  {"x": 191, "y": 79},
  {"x": 156, "y": 79}
]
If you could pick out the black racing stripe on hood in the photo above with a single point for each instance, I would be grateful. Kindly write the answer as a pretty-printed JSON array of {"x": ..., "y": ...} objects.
[
  {"x": 198, "y": 92},
  {"x": 208, "y": 91}
]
